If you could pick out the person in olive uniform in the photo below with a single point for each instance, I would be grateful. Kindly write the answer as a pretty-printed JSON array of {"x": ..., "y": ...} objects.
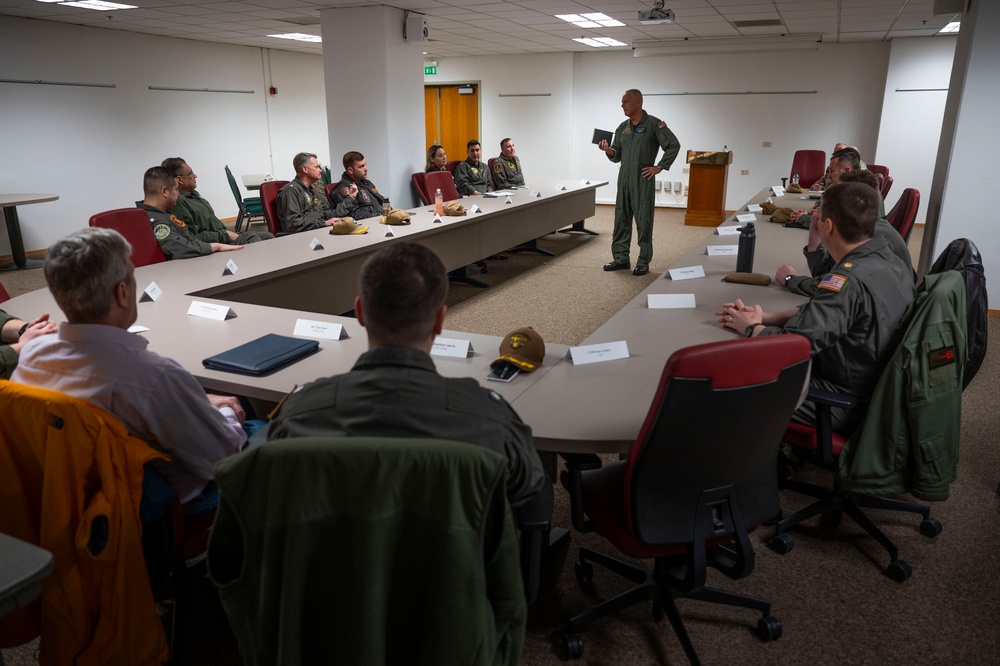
[
  {"x": 635, "y": 145},
  {"x": 473, "y": 176},
  {"x": 198, "y": 214},
  {"x": 851, "y": 319},
  {"x": 14, "y": 334},
  {"x": 355, "y": 195},
  {"x": 175, "y": 237},
  {"x": 300, "y": 206},
  {"x": 394, "y": 389},
  {"x": 819, "y": 260},
  {"x": 507, "y": 168}
]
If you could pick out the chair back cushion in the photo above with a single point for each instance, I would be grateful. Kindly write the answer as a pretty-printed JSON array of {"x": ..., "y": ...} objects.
[
  {"x": 133, "y": 224},
  {"x": 450, "y": 166},
  {"x": 420, "y": 185},
  {"x": 810, "y": 165},
  {"x": 904, "y": 213},
  {"x": 441, "y": 180},
  {"x": 269, "y": 200},
  {"x": 4, "y": 296},
  {"x": 886, "y": 185},
  {"x": 368, "y": 551},
  {"x": 716, "y": 420},
  {"x": 234, "y": 187}
]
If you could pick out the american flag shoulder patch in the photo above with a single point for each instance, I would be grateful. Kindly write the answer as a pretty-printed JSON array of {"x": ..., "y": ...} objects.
[{"x": 833, "y": 282}]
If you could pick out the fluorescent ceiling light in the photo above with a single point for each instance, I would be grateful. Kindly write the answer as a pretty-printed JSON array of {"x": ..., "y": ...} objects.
[
  {"x": 950, "y": 28},
  {"x": 590, "y": 20},
  {"x": 299, "y": 37},
  {"x": 98, "y": 5},
  {"x": 599, "y": 42}
]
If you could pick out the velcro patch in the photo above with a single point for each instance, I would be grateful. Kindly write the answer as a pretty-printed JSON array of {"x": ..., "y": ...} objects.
[
  {"x": 161, "y": 231},
  {"x": 497, "y": 168},
  {"x": 178, "y": 221},
  {"x": 344, "y": 191},
  {"x": 833, "y": 282},
  {"x": 662, "y": 125},
  {"x": 941, "y": 357}
]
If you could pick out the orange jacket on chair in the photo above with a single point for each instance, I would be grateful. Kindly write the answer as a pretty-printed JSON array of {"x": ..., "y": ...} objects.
[{"x": 71, "y": 482}]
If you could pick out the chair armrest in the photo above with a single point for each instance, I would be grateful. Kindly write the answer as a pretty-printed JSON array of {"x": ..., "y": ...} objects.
[
  {"x": 571, "y": 478},
  {"x": 533, "y": 520},
  {"x": 825, "y": 401},
  {"x": 536, "y": 513},
  {"x": 822, "y": 397}
]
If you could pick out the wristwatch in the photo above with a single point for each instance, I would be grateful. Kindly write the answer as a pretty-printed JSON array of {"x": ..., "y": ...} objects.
[
  {"x": 21, "y": 332},
  {"x": 748, "y": 332},
  {"x": 789, "y": 277}
]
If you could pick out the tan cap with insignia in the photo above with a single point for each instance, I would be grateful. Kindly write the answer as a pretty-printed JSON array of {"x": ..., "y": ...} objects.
[
  {"x": 523, "y": 347},
  {"x": 345, "y": 226}
]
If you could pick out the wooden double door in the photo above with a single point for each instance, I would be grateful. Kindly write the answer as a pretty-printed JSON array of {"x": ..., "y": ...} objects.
[{"x": 451, "y": 117}]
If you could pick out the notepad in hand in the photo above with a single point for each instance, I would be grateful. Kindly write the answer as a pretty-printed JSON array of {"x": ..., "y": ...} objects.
[
  {"x": 263, "y": 355},
  {"x": 602, "y": 135}
]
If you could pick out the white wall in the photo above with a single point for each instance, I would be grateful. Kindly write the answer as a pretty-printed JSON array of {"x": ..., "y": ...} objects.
[
  {"x": 91, "y": 145},
  {"x": 911, "y": 121}
]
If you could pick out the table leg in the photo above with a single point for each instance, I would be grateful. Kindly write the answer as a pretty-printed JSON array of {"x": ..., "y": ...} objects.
[
  {"x": 579, "y": 228},
  {"x": 16, "y": 243}
]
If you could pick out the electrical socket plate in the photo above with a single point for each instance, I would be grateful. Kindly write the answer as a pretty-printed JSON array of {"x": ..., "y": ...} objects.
[
  {"x": 658, "y": 186},
  {"x": 687, "y": 170},
  {"x": 766, "y": 144},
  {"x": 744, "y": 172}
]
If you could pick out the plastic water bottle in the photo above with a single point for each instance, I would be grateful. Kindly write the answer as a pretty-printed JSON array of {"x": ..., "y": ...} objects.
[
  {"x": 744, "y": 255},
  {"x": 795, "y": 178},
  {"x": 438, "y": 203}
]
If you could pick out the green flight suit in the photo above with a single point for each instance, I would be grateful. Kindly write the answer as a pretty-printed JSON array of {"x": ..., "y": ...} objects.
[
  {"x": 199, "y": 215},
  {"x": 636, "y": 146},
  {"x": 507, "y": 173},
  {"x": 175, "y": 238},
  {"x": 851, "y": 321},
  {"x": 473, "y": 177},
  {"x": 8, "y": 357}
]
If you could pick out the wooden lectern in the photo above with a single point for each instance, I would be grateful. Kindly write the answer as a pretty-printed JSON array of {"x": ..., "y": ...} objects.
[{"x": 706, "y": 204}]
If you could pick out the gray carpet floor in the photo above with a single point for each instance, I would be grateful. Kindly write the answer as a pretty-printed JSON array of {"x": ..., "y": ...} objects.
[{"x": 835, "y": 604}]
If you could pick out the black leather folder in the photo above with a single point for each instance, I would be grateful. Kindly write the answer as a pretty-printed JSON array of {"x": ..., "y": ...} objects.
[{"x": 263, "y": 355}]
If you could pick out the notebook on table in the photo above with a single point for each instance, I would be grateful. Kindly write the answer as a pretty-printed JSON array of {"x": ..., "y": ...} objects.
[{"x": 263, "y": 355}]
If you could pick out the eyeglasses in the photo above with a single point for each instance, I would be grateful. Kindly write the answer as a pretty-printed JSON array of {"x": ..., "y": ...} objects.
[{"x": 185, "y": 175}]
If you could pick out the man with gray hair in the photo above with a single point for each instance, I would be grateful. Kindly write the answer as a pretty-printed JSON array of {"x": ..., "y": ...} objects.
[
  {"x": 300, "y": 206},
  {"x": 93, "y": 357}
]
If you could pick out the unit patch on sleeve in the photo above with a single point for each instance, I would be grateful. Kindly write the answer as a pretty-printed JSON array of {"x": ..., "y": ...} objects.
[
  {"x": 833, "y": 282},
  {"x": 161, "y": 231}
]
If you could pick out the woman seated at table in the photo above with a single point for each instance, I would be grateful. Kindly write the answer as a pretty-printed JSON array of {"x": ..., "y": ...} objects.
[{"x": 436, "y": 159}]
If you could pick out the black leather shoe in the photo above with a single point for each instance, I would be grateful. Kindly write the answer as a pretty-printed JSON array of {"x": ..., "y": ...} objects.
[
  {"x": 640, "y": 269},
  {"x": 615, "y": 266}
]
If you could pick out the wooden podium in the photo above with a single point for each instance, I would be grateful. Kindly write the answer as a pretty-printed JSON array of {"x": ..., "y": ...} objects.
[{"x": 706, "y": 204}]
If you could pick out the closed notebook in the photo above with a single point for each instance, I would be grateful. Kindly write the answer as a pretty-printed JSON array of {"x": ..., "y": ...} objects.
[{"x": 263, "y": 355}]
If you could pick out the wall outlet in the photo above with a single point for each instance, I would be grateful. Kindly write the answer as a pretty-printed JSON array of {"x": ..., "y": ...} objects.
[
  {"x": 685, "y": 190},
  {"x": 686, "y": 170},
  {"x": 766, "y": 144},
  {"x": 744, "y": 172},
  {"x": 677, "y": 186},
  {"x": 658, "y": 186}
]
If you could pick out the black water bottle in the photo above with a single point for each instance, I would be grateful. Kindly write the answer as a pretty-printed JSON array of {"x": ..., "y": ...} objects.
[{"x": 744, "y": 257}]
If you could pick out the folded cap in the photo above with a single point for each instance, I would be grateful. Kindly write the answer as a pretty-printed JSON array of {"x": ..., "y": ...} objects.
[
  {"x": 794, "y": 188},
  {"x": 523, "y": 347},
  {"x": 453, "y": 208},
  {"x": 782, "y": 215},
  {"x": 748, "y": 278},
  {"x": 768, "y": 207},
  {"x": 396, "y": 216},
  {"x": 345, "y": 226}
]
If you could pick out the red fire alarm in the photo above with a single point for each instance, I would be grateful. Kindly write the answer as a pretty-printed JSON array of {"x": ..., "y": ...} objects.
[{"x": 272, "y": 90}]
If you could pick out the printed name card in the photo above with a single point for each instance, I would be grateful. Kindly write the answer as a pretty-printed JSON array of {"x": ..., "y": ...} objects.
[
  {"x": 437, "y": 219},
  {"x": 584, "y": 181},
  {"x": 560, "y": 188},
  {"x": 536, "y": 194},
  {"x": 606, "y": 351},
  {"x": 324, "y": 330},
  {"x": 722, "y": 250},
  {"x": 475, "y": 209},
  {"x": 230, "y": 268},
  {"x": 388, "y": 232},
  {"x": 451, "y": 347},
  {"x": 210, "y": 311},
  {"x": 687, "y": 273},
  {"x": 150, "y": 293},
  {"x": 733, "y": 230},
  {"x": 778, "y": 190},
  {"x": 746, "y": 217},
  {"x": 755, "y": 208},
  {"x": 507, "y": 200},
  {"x": 669, "y": 301},
  {"x": 314, "y": 244}
]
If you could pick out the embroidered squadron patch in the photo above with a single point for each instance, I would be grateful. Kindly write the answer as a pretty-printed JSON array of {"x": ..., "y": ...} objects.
[
  {"x": 662, "y": 125},
  {"x": 161, "y": 231},
  {"x": 640, "y": 130},
  {"x": 344, "y": 191},
  {"x": 176, "y": 220},
  {"x": 511, "y": 164},
  {"x": 365, "y": 196},
  {"x": 833, "y": 282},
  {"x": 627, "y": 130},
  {"x": 475, "y": 170},
  {"x": 497, "y": 167},
  {"x": 517, "y": 340}
]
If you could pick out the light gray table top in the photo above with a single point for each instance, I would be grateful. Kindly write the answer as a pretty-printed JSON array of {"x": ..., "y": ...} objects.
[{"x": 24, "y": 199}]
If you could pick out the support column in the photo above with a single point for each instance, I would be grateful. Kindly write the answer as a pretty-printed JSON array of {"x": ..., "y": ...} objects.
[{"x": 374, "y": 96}]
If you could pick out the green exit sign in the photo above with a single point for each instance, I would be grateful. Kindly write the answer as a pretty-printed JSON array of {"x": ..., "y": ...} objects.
[{"x": 430, "y": 70}]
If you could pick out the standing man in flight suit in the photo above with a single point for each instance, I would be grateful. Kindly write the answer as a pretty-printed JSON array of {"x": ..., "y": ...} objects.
[
  {"x": 355, "y": 195},
  {"x": 635, "y": 145}
]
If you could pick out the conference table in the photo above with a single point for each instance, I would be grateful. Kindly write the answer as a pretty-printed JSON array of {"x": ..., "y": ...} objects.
[
  {"x": 9, "y": 203},
  {"x": 596, "y": 407}
]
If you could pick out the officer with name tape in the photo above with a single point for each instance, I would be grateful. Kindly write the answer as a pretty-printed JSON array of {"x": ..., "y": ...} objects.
[
  {"x": 473, "y": 175},
  {"x": 301, "y": 204},
  {"x": 160, "y": 193},
  {"x": 851, "y": 318},
  {"x": 635, "y": 145},
  {"x": 507, "y": 168},
  {"x": 355, "y": 195}
]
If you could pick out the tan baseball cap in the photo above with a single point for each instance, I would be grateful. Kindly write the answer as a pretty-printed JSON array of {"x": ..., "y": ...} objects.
[
  {"x": 523, "y": 347},
  {"x": 345, "y": 226}
]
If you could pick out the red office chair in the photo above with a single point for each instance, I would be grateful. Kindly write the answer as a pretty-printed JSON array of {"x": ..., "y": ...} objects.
[
  {"x": 134, "y": 225},
  {"x": 904, "y": 213},
  {"x": 4, "y": 296},
  {"x": 450, "y": 166},
  {"x": 269, "y": 198},
  {"x": 419, "y": 184},
  {"x": 699, "y": 477},
  {"x": 886, "y": 186},
  {"x": 908, "y": 440},
  {"x": 879, "y": 169},
  {"x": 440, "y": 180},
  {"x": 810, "y": 165}
]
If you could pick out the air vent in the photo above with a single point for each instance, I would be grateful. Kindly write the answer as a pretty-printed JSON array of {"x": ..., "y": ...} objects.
[{"x": 763, "y": 23}]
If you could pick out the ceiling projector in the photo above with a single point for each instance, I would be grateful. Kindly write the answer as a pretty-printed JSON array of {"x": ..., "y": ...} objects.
[{"x": 656, "y": 17}]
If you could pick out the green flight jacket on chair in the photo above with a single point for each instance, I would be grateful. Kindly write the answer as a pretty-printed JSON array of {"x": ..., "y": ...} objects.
[
  {"x": 909, "y": 441},
  {"x": 368, "y": 551}
]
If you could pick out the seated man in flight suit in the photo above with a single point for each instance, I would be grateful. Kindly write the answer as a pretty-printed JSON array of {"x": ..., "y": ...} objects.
[
  {"x": 355, "y": 195},
  {"x": 300, "y": 206}
]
